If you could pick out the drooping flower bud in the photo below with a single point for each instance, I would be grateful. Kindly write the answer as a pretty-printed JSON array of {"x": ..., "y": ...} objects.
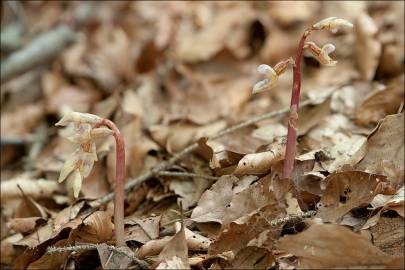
[
  {"x": 322, "y": 54},
  {"x": 271, "y": 74},
  {"x": 332, "y": 24}
]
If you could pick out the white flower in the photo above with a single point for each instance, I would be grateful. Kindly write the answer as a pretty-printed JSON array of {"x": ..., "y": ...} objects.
[
  {"x": 322, "y": 54},
  {"x": 332, "y": 24},
  {"x": 267, "y": 83},
  {"x": 82, "y": 131}
]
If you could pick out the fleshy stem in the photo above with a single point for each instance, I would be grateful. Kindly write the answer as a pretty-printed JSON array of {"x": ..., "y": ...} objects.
[
  {"x": 119, "y": 181},
  {"x": 293, "y": 117}
]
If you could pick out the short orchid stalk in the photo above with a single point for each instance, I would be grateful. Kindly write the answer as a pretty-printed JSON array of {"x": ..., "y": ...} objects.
[
  {"x": 84, "y": 129},
  {"x": 322, "y": 55}
]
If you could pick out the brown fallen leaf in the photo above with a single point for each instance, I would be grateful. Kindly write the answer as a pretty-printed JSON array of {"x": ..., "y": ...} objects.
[
  {"x": 175, "y": 253},
  {"x": 386, "y": 142},
  {"x": 142, "y": 229},
  {"x": 332, "y": 246},
  {"x": 381, "y": 103},
  {"x": 345, "y": 191},
  {"x": 251, "y": 257},
  {"x": 253, "y": 229},
  {"x": 111, "y": 259},
  {"x": 96, "y": 228},
  {"x": 213, "y": 203},
  {"x": 25, "y": 225},
  {"x": 368, "y": 47}
]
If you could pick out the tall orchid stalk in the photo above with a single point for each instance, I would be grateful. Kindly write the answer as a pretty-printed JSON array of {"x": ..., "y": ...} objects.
[
  {"x": 322, "y": 55},
  {"x": 83, "y": 129}
]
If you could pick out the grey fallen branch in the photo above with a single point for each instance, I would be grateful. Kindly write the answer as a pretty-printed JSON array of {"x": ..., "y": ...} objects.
[
  {"x": 143, "y": 264},
  {"x": 45, "y": 47},
  {"x": 40, "y": 50},
  {"x": 186, "y": 174},
  {"x": 189, "y": 149}
]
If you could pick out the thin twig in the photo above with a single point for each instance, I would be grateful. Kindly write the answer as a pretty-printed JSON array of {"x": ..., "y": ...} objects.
[
  {"x": 189, "y": 149},
  {"x": 143, "y": 264},
  {"x": 186, "y": 174}
]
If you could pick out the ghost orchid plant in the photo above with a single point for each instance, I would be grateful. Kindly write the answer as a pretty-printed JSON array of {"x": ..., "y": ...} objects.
[
  {"x": 83, "y": 129},
  {"x": 272, "y": 74}
]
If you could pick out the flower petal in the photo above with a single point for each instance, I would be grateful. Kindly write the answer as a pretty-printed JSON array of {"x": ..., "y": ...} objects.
[
  {"x": 263, "y": 85},
  {"x": 324, "y": 57},
  {"x": 265, "y": 69},
  {"x": 77, "y": 132},
  {"x": 77, "y": 183},
  {"x": 101, "y": 132},
  {"x": 87, "y": 162},
  {"x": 69, "y": 166},
  {"x": 78, "y": 118},
  {"x": 332, "y": 23}
]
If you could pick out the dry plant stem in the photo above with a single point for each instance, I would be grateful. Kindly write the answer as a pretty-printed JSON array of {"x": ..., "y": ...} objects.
[
  {"x": 119, "y": 182},
  {"x": 293, "y": 117},
  {"x": 185, "y": 174}
]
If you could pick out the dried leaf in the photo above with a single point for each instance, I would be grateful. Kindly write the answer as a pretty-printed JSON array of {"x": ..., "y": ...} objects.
[
  {"x": 96, "y": 228},
  {"x": 345, "y": 191},
  {"x": 332, "y": 246}
]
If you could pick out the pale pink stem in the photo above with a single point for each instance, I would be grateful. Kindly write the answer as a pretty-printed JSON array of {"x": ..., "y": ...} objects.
[
  {"x": 293, "y": 117},
  {"x": 119, "y": 181}
]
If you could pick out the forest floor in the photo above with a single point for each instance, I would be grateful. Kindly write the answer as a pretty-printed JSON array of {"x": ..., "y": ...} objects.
[{"x": 204, "y": 156}]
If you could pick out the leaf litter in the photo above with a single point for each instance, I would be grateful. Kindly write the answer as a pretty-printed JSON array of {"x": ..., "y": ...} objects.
[{"x": 178, "y": 74}]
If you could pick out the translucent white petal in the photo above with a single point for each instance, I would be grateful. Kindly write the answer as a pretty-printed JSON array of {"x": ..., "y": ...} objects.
[
  {"x": 78, "y": 118},
  {"x": 87, "y": 163},
  {"x": 77, "y": 183},
  {"x": 332, "y": 23},
  {"x": 77, "y": 132},
  {"x": 69, "y": 166},
  {"x": 328, "y": 48},
  {"x": 100, "y": 132},
  {"x": 265, "y": 69},
  {"x": 263, "y": 85}
]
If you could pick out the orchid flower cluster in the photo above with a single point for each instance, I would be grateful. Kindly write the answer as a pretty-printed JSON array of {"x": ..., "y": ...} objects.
[
  {"x": 82, "y": 130},
  {"x": 322, "y": 55}
]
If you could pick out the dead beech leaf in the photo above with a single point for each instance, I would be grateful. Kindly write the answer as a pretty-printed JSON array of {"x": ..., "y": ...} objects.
[
  {"x": 25, "y": 225},
  {"x": 96, "y": 228},
  {"x": 111, "y": 259},
  {"x": 390, "y": 202},
  {"x": 216, "y": 35},
  {"x": 382, "y": 103},
  {"x": 175, "y": 253},
  {"x": 250, "y": 230},
  {"x": 386, "y": 142},
  {"x": 35, "y": 188},
  {"x": 345, "y": 191},
  {"x": 259, "y": 163},
  {"x": 251, "y": 257},
  {"x": 325, "y": 246},
  {"x": 368, "y": 47},
  {"x": 142, "y": 229},
  {"x": 16, "y": 122},
  {"x": 213, "y": 203}
]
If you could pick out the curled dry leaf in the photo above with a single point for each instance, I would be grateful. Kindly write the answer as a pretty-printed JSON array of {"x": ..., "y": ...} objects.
[
  {"x": 381, "y": 103},
  {"x": 368, "y": 47},
  {"x": 175, "y": 252},
  {"x": 142, "y": 229},
  {"x": 253, "y": 229},
  {"x": 227, "y": 30},
  {"x": 25, "y": 225},
  {"x": 390, "y": 202},
  {"x": 96, "y": 228},
  {"x": 325, "y": 246},
  {"x": 345, "y": 191},
  {"x": 111, "y": 259},
  {"x": 213, "y": 203},
  {"x": 386, "y": 142}
]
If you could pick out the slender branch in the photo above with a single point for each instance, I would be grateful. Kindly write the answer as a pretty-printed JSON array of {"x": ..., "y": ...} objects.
[
  {"x": 119, "y": 182},
  {"x": 293, "y": 117},
  {"x": 185, "y": 174},
  {"x": 189, "y": 149},
  {"x": 143, "y": 264}
]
